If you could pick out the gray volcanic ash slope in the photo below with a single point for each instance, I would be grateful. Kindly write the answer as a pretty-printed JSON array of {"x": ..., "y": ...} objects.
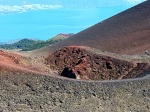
[
  {"x": 37, "y": 93},
  {"x": 126, "y": 33}
]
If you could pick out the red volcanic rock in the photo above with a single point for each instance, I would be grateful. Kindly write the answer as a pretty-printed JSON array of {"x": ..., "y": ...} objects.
[
  {"x": 10, "y": 57},
  {"x": 85, "y": 64},
  {"x": 15, "y": 63}
]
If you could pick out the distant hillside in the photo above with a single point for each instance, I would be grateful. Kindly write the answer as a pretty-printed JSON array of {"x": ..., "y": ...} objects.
[
  {"x": 30, "y": 44},
  {"x": 22, "y": 44},
  {"x": 1, "y": 43},
  {"x": 53, "y": 40}
]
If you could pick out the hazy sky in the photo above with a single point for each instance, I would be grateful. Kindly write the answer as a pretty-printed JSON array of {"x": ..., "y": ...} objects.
[
  {"x": 17, "y": 19},
  {"x": 25, "y": 5}
]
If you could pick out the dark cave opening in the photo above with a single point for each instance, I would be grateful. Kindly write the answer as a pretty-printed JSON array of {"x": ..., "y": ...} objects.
[
  {"x": 108, "y": 65},
  {"x": 67, "y": 72}
]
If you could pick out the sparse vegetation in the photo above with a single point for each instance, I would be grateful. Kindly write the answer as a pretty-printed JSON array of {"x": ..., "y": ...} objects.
[
  {"x": 29, "y": 44},
  {"x": 22, "y": 44}
]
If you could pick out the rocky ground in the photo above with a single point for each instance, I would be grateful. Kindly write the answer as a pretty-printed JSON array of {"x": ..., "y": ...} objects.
[
  {"x": 33, "y": 84},
  {"x": 38, "y": 93}
]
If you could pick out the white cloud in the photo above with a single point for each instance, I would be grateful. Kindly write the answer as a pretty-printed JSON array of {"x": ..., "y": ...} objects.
[
  {"x": 26, "y": 7},
  {"x": 134, "y": 1}
]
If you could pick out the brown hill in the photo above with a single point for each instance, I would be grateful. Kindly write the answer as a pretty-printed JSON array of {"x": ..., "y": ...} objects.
[
  {"x": 125, "y": 33},
  {"x": 60, "y": 37}
]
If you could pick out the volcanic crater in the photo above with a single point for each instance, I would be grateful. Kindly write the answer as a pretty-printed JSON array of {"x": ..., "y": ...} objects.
[{"x": 80, "y": 62}]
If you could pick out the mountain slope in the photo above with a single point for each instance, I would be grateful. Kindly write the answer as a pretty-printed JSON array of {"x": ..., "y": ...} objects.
[{"x": 126, "y": 33}]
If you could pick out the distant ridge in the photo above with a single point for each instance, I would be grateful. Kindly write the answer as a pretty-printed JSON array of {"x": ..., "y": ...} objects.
[
  {"x": 127, "y": 33},
  {"x": 32, "y": 44},
  {"x": 1, "y": 43},
  {"x": 21, "y": 44}
]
